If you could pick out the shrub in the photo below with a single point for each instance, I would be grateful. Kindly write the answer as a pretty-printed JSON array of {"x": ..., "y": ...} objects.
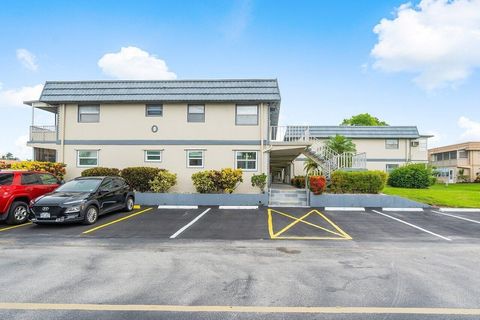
[
  {"x": 229, "y": 179},
  {"x": 418, "y": 176},
  {"x": 298, "y": 181},
  {"x": 100, "y": 171},
  {"x": 55, "y": 168},
  {"x": 163, "y": 181},
  {"x": 259, "y": 180},
  {"x": 318, "y": 184},
  {"x": 211, "y": 181},
  {"x": 139, "y": 177},
  {"x": 358, "y": 181},
  {"x": 477, "y": 179},
  {"x": 4, "y": 165},
  {"x": 203, "y": 182}
]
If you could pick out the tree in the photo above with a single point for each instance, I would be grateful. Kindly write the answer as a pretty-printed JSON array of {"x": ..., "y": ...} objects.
[
  {"x": 363, "y": 119},
  {"x": 341, "y": 144},
  {"x": 312, "y": 168},
  {"x": 8, "y": 156}
]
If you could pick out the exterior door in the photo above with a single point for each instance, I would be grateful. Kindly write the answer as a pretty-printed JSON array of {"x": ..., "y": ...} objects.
[{"x": 451, "y": 176}]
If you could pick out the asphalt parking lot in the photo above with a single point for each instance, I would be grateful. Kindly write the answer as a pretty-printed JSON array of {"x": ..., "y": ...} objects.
[
  {"x": 268, "y": 263},
  {"x": 212, "y": 223}
]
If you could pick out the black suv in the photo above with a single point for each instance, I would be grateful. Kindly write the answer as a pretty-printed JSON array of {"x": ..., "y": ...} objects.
[{"x": 82, "y": 200}]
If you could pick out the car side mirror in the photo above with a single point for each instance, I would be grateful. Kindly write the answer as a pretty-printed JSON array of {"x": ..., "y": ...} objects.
[{"x": 61, "y": 181}]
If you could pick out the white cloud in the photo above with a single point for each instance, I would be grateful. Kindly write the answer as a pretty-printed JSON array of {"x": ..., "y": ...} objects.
[
  {"x": 238, "y": 20},
  {"x": 438, "y": 138},
  {"x": 437, "y": 40},
  {"x": 21, "y": 150},
  {"x": 134, "y": 63},
  {"x": 471, "y": 128},
  {"x": 15, "y": 97},
  {"x": 27, "y": 59}
]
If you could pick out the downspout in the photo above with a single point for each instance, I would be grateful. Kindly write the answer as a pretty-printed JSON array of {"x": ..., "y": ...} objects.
[
  {"x": 261, "y": 137},
  {"x": 62, "y": 125}
]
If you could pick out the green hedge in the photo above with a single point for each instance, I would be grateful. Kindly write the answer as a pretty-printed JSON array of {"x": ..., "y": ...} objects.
[
  {"x": 298, "y": 182},
  {"x": 417, "y": 176},
  {"x": 358, "y": 181},
  {"x": 100, "y": 171},
  {"x": 217, "y": 181},
  {"x": 139, "y": 177}
]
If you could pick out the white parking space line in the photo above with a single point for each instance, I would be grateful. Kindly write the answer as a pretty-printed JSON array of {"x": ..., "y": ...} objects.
[
  {"x": 178, "y": 207},
  {"x": 460, "y": 209},
  {"x": 412, "y": 225},
  {"x": 454, "y": 216},
  {"x": 344, "y": 209},
  {"x": 185, "y": 227},
  {"x": 403, "y": 209}
]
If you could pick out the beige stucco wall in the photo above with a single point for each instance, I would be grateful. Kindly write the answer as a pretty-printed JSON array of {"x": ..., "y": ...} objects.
[
  {"x": 377, "y": 155},
  {"x": 127, "y": 123},
  {"x": 174, "y": 159}
]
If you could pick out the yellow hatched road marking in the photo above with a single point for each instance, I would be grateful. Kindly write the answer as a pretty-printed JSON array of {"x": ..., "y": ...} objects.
[
  {"x": 342, "y": 235},
  {"x": 116, "y": 221},
  {"x": 238, "y": 309},
  {"x": 14, "y": 227},
  {"x": 297, "y": 220}
]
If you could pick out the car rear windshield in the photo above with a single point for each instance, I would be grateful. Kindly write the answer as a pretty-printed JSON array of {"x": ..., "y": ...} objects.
[
  {"x": 80, "y": 186},
  {"x": 6, "y": 179}
]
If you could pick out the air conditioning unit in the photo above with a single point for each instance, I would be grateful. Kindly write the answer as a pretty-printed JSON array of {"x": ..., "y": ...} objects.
[{"x": 414, "y": 143}]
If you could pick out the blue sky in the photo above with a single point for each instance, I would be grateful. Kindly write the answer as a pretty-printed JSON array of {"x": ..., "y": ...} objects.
[{"x": 328, "y": 60}]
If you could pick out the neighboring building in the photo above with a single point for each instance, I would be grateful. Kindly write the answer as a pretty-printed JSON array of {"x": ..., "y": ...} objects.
[
  {"x": 384, "y": 147},
  {"x": 449, "y": 160}
]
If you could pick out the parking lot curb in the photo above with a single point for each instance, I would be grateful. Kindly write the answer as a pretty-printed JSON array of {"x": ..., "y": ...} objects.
[{"x": 178, "y": 207}]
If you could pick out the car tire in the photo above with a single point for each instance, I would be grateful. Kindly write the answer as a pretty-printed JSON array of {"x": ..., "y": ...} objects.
[
  {"x": 129, "y": 202},
  {"x": 18, "y": 213},
  {"x": 91, "y": 215}
]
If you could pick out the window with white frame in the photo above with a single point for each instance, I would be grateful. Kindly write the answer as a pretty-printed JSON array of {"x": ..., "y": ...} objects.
[
  {"x": 246, "y": 160},
  {"x": 88, "y": 113},
  {"x": 87, "y": 158},
  {"x": 391, "y": 143},
  {"x": 153, "y": 155},
  {"x": 195, "y": 158},
  {"x": 246, "y": 115},
  {"x": 196, "y": 113},
  {"x": 390, "y": 167},
  {"x": 154, "y": 110}
]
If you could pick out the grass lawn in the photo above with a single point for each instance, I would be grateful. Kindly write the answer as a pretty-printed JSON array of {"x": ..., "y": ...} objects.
[{"x": 465, "y": 195}]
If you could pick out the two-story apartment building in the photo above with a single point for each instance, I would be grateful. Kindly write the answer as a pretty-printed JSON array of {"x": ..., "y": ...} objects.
[
  {"x": 449, "y": 160},
  {"x": 383, "y": 147},
  {"x": 189, "y": 125},
  {"x": 182, "y": 126}
]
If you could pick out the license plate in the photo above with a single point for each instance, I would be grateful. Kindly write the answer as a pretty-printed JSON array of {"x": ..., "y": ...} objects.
[{"x": 44, "y": 215}]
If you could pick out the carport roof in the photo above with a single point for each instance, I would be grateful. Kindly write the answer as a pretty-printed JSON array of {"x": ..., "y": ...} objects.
[
  {"x": 380, "y": 132},
  {"x": 230, "y": 90}
]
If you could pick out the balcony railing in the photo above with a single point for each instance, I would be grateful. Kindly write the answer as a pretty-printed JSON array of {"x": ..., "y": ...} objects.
[
  {"x": 43, "y": 133},
  {"x": 290, "y": 134}
]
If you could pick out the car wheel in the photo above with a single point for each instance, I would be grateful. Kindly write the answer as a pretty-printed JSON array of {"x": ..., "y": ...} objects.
[
  {"x": 91, "y": 215},
  {"x": 129, "y": 203},
  {"x": 18, "y": 213}
]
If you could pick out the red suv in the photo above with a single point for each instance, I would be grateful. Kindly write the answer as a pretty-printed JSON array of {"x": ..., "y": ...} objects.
[{"x": 18, "y": 188}]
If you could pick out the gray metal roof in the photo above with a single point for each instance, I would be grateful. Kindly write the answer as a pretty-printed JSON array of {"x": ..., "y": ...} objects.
[
  {"x": 233, "y": 90},
  {"x": 356, "y": 131}
]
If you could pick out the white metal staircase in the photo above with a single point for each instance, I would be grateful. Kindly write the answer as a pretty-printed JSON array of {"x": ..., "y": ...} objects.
[{"x": 329, "y": 160}]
